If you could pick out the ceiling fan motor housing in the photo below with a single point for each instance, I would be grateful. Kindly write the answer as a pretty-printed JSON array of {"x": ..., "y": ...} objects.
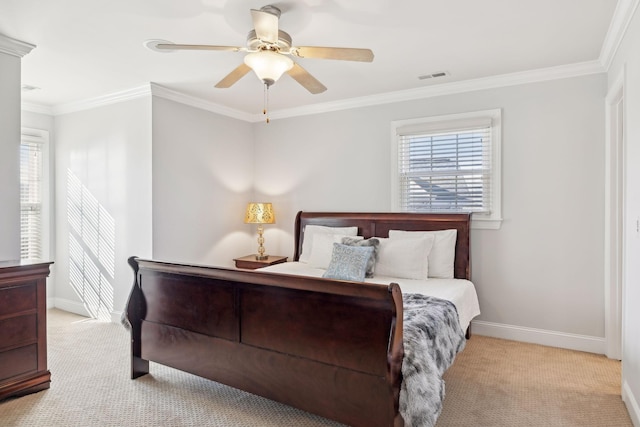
[{"x": 283, "y": 44}]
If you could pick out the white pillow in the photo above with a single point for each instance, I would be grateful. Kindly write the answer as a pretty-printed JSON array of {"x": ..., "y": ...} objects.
[
  {"x": 404, "y": 258},
  {"x": 442, "y": 255},
  {"x": 311, "y": 230},
  {"x": 322, "y": 248}
]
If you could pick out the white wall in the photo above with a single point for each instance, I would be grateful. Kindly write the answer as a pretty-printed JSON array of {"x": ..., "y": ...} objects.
[
  {"x": 543, "y": 268},
  {"x": 202, "y": 181},
  {"x": 628, "y": 59},
  {"x": 9, "y": 157},
  {"x": 103, "y": 163},
  {"x": 40, "y": 121}
]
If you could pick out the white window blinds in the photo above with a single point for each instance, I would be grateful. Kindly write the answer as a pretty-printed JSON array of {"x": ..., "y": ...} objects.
[
  {"x": 449, "y": 163},
  {"x": 446, "y": 168},
  {"x": 31, "y": 187}
]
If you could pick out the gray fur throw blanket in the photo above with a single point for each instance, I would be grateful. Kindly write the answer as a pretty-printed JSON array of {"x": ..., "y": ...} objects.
[{"x": 432, "y": 337}]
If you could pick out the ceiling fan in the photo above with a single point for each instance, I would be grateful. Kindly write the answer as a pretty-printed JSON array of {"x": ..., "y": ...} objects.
[{"x": 270, "y": 51}]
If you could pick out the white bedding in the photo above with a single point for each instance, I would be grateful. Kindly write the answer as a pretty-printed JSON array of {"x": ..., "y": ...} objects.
[{"x": 460, "y": 292}]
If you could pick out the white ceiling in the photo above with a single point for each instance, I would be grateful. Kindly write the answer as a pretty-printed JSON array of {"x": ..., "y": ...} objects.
[{"x": 89, "y": 48}]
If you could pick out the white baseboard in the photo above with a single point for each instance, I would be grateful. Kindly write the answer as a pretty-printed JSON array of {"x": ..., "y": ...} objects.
[
  {"x": 70, "y": 306},
  {"x": 116, "y": 316},
  {"x": 632, "y": 404},
  {"x": 539, "y": 336},
  {"x": 77, "y": 308}
]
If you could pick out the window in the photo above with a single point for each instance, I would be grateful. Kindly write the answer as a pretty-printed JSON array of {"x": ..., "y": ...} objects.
[
  {"x": 32, "y": 194},
  {"x": 449, "y": 164}
]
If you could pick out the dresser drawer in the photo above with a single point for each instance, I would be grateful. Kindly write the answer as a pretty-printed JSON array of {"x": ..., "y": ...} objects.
[
  {"x": 18, "y": 330},
  {"x": 17, "y": 299},
  {"x": 18, "y": 361}
]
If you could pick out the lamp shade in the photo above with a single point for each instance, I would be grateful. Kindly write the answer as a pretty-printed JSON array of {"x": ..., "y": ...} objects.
[
  {"x": 268, "y": 65},
  {"x": 259, "y": 213}
]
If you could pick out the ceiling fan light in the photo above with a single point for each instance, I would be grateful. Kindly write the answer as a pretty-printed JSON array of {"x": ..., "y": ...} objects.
[{"x": 268, "y": 66}]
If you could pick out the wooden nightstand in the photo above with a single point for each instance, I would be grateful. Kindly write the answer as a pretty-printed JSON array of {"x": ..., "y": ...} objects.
[{"x": 250, "y": 262}]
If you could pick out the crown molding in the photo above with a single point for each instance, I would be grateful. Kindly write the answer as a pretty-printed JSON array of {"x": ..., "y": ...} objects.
[
  {"x": 512, "y": 79},
  {"x": 14, "y": 47},
  {"x": 135, "y": 93},
  {"x": 37, "y": 108},
  {"x": 622, "y": 16},
  {"x": 113, "y": 98},
  {"x": 172, "y": 95}
]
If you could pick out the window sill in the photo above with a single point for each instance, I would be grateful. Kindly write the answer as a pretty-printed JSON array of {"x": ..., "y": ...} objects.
[{"x": 485, "y": 223}]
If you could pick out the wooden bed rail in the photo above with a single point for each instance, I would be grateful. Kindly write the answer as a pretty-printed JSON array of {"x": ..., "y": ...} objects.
[{"x": 329, "y": 347}]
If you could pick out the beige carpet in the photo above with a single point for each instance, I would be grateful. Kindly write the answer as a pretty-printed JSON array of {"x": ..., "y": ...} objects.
[
  {"x": 502, "y": 383},
  {"x": 492, "y": 383}
]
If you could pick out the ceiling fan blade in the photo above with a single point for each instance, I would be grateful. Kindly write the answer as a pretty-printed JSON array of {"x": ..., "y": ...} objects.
[
  {"x": 303, "y": 77},
  {"x": 233, "y": 76},
  {"x": 341, "y": 53},
  {"x": 165, "y": 46},
  {"x": 266, "y": 24}
]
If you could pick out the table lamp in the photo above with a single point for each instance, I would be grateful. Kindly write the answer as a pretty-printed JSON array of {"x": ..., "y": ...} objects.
[{"x": 260, "y": 213}]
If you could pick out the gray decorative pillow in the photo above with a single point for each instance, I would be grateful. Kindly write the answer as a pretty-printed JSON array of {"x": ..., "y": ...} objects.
[
  {"x": 373, "y": 242},
  {"x": 348, "y": 262}
]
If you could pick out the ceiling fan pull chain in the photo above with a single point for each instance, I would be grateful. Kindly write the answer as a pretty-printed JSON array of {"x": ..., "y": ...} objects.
[{"x": 266, "y": 101}]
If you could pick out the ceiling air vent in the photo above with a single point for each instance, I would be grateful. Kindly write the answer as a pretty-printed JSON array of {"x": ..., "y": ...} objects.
[
  {"x": 28, "y": 88},
  {"x": 433, "y": 75}
]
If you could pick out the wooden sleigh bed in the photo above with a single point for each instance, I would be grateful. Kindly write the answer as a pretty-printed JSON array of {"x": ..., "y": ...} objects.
[{"x": 329, "y": 347}]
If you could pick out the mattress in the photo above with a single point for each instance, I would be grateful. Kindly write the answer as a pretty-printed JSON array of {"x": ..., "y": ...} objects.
[{"x": 461, "y": 292}]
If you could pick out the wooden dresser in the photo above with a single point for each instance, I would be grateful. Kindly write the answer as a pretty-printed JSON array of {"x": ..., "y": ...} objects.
[{"x": 23, "y": 327}]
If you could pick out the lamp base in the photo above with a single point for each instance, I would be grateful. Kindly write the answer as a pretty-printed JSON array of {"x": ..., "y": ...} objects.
[{"x": 262, "y": 257}]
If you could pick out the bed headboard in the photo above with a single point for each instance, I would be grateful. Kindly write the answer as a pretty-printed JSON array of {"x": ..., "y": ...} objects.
[{"x": 379, "y": 224}]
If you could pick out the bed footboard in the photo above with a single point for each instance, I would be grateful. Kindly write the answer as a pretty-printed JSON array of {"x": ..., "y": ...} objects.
[{"x": 332, "y": 348}]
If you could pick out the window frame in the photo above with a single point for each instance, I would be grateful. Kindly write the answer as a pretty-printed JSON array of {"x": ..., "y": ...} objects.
[
  {"x": 491, "y": 220},
  {"x": 39, "y": 136}
]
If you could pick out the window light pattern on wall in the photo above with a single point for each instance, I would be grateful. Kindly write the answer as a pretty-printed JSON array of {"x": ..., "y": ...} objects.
[
  {"x": 446, "y": 169},
  {"x": 91, "y": 249}
]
